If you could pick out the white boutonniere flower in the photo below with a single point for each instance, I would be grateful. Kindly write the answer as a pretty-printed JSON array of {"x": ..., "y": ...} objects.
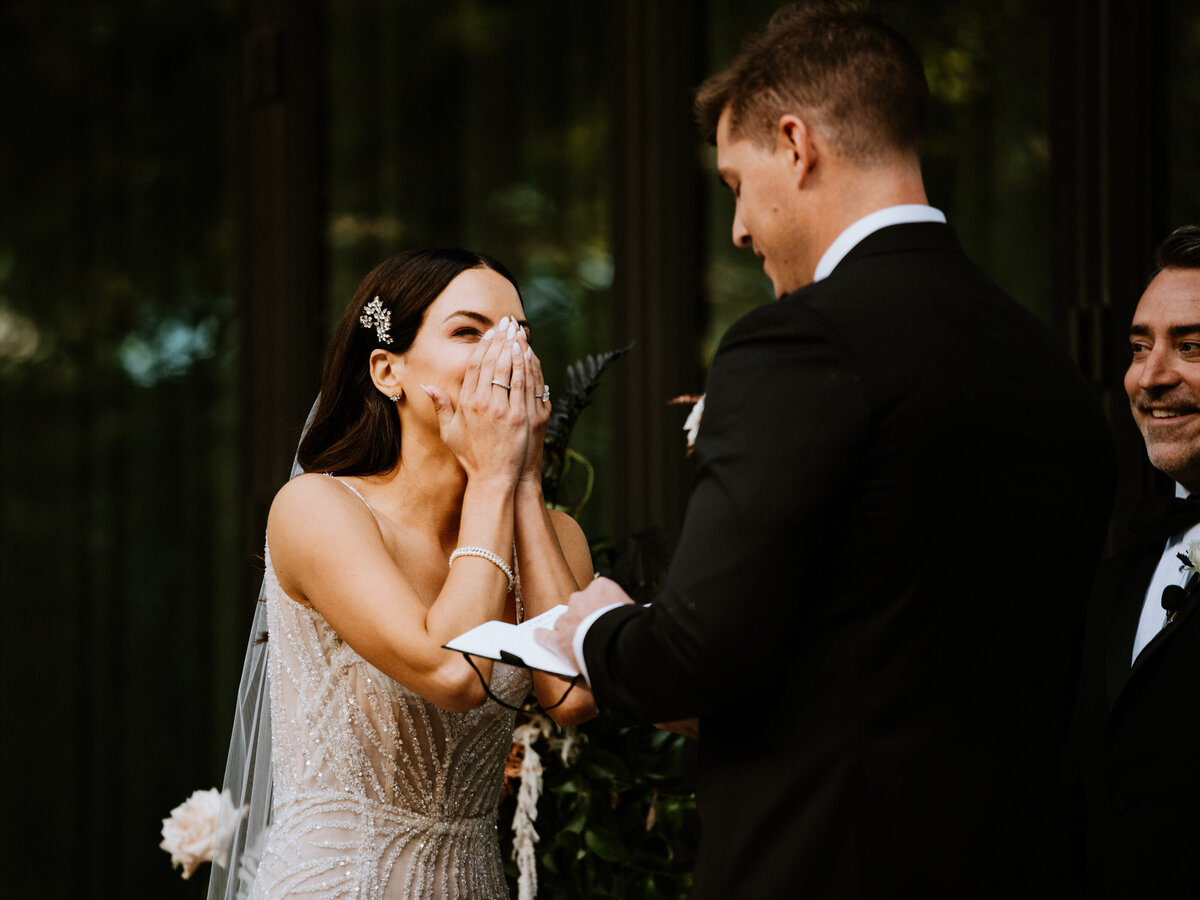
[
  {"x": 1190, "y": 561},
  {"x": 200, "y": 830},
  {"x": 691, "y": 427},
  {"x": 1174, "y": 596}
]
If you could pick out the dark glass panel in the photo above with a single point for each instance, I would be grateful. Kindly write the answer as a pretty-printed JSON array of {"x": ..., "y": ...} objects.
[
  {"x": 117, "y": 350},
  {"x": 484, "y": 125},
  {"x": 1184, "y": 128}
]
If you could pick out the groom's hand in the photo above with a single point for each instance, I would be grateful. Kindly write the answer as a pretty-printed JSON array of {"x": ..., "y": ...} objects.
[{"x": 561, "y": 639}]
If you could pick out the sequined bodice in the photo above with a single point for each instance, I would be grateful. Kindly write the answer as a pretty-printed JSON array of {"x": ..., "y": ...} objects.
[{"x": 377, "y": 792}]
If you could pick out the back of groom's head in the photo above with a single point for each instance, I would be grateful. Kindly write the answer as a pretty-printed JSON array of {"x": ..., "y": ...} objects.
[{"x": 837, "y": 65}]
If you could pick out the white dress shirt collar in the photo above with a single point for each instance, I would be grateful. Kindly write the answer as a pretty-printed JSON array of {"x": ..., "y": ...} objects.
[
  {"x": 1150, "y": 623},
  {"x": 869, "y": 224}
]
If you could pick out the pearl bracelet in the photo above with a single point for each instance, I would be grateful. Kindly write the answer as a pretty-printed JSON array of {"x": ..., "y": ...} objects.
[{"x": 483, "y": 553}]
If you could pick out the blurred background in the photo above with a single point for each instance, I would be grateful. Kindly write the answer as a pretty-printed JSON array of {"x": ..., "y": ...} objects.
[{"x": 190, "y": 190}]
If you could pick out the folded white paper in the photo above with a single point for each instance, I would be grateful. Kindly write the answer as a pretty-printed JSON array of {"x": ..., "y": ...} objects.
[{"x": 515, "y": 644}]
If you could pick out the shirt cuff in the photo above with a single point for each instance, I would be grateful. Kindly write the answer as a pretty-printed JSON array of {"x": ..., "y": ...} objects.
[{"x": 581, "y": 633}]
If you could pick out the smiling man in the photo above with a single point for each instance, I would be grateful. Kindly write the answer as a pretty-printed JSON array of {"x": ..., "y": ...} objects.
[
  {"x": 875, "y": 604},
  {"x": 1163, "y": 380},
  {"x": 1137, "y": 729}
]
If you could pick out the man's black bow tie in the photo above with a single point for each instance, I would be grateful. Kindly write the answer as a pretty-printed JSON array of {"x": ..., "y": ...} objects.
[{"x": 1161, "y": 517}]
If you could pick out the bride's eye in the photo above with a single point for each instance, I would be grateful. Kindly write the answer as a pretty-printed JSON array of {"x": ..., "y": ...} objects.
[{"x": 465, "y": 331}]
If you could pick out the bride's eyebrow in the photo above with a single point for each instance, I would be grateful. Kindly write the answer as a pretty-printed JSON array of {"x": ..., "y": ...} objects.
[{"x": 479, "y": 317}]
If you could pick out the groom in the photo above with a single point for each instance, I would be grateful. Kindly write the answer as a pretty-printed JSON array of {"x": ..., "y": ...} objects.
[{"x": 875, "y": 605}]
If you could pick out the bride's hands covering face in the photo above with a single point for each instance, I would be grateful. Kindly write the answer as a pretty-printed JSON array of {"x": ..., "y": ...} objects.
[
  {"x": 537, "y": 410},
  {"x": 489, "y": 430}
]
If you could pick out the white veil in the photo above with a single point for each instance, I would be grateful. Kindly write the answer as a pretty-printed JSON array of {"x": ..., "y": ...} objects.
[{"x": 248, "y": 766}]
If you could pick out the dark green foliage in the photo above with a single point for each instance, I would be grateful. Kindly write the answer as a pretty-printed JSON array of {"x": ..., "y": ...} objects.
[
  {"x": 583, "y": 377},
  {"x": 638, "y": 564},
  {"x": 620, "y": 821}
]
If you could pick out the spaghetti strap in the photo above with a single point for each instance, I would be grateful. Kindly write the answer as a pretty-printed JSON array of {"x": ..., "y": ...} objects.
[{"x": 353, "y": 491}]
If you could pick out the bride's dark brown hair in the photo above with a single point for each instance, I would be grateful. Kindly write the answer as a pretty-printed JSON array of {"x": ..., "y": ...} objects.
[{"x": 356, "y": 429}]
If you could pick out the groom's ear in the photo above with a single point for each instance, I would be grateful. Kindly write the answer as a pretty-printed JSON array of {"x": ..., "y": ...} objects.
[
  {"x": 387, "y": 372},
  {"x": 795, "y": 139}
]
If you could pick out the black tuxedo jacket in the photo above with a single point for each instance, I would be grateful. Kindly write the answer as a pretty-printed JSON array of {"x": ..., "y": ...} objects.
[
  {"x": 877, "y": 600},
  {"x": 1136, "y": 741}
]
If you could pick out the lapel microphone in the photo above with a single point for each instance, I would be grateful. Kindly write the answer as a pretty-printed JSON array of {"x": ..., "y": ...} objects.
[{"x": 1172, "y": 598}]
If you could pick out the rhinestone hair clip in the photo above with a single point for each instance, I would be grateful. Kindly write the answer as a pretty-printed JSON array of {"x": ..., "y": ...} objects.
[{"x": 375, "y": 316}]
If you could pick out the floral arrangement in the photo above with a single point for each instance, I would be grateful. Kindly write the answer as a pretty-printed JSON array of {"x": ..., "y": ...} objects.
[
  {"x": 525, "y": 765},
  {"x": 616, "y": 803},
  {"x": 200, "y": 829},
  {"x": 617, "y": 810}
]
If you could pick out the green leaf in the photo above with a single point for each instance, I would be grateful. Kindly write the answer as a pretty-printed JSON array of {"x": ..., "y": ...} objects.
[
  {"x": 577, "y": 821},
  {"x": 645, "y": 889},
  {"x": 606, "y": 845},
  {"x": 607, "y": 765}
]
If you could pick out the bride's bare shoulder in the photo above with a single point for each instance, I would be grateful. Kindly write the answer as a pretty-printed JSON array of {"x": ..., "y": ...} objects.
[
  {"x": 308, "y": 486},
  {"x": 310, "y": 500}
]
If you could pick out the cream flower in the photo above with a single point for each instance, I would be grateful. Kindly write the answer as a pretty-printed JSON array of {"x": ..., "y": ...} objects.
[
  {"x": 692, "y": 425},
  {"x": 200, "y": 829}
]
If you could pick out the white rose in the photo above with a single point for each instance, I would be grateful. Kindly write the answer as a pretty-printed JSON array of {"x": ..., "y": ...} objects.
[{"x": 200, "y": 829}]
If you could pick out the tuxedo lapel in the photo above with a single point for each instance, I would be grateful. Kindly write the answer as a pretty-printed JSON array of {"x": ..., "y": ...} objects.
[
  {"x": 1166, "y": 633},
  {"x": 1123, "y": 621},
  {"x": 1126, "y": 614}
]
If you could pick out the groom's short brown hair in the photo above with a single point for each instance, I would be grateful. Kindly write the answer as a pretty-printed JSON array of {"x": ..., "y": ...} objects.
[{"x": 836, "y": 64}]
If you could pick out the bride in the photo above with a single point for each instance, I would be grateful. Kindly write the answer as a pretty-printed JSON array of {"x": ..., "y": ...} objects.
[{"x": 421, "y": 516}]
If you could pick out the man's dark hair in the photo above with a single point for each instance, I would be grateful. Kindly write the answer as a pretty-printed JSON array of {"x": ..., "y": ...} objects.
[
  {"x": 838, "y": 64},
  {"x": 1179, "y": 250}
]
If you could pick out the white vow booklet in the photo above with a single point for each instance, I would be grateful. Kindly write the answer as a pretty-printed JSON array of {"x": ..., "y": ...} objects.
[{"x": 515, "y": 644}]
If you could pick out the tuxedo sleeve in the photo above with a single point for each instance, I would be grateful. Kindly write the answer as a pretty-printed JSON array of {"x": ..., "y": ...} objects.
[{"x": 786, "y": 414}]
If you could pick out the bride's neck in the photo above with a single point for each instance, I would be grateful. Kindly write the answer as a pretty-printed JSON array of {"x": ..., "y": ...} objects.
[{"x": 425, "y": 489}]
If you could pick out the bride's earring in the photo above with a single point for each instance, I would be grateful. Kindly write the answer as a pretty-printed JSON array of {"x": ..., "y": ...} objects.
[{"x": 394, "y": 396}]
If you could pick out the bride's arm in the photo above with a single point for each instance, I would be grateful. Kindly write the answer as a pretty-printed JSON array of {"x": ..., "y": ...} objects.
[
  {"x": 555, "y": 561},
  {"x": 329, "y": 554},
  {"x": 553, "y": 553}
]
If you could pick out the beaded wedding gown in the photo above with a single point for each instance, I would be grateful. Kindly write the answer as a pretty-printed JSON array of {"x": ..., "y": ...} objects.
[{"x": 378, "y": 794}]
